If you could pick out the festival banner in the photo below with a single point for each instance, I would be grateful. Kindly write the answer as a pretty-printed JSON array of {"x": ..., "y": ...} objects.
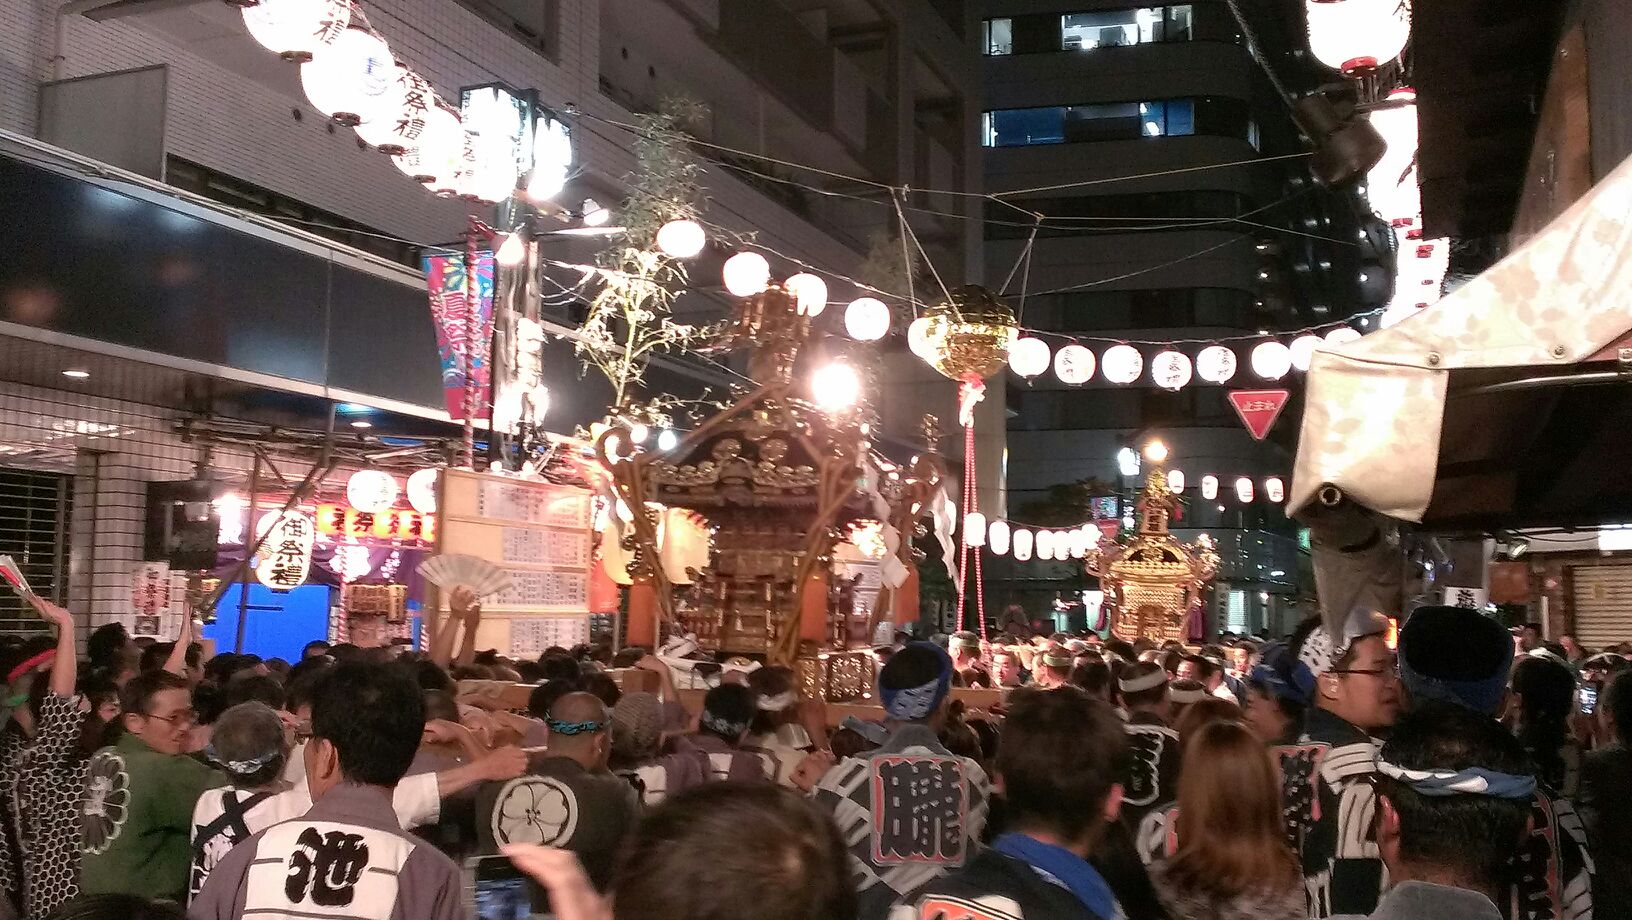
[{"x": 450, "y": 309}]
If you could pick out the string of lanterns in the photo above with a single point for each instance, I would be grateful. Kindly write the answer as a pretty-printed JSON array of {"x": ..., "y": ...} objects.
[{"x": 349, "y": 73}]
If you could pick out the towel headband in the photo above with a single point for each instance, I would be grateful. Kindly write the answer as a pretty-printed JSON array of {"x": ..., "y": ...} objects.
[
  {"x": 1145, "y": 682},
  {"x": 1472, "y": 781},
  {"x": 559, "y": 727}
]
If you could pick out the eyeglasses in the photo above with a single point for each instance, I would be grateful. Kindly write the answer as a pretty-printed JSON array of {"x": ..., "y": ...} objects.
[
  {"x": 1389, "y": 671},
  {"x": 184, "y": 719}
]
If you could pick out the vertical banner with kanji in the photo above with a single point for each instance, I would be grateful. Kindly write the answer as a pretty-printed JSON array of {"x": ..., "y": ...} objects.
[{"x": 450, "y": 310}]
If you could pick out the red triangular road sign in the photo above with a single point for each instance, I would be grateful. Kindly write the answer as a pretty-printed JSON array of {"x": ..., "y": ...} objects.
[{"x": 1259, "y": 409}]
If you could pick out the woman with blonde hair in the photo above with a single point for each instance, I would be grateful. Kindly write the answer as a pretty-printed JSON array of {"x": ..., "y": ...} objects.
[{"x": 1232, "y": 861}]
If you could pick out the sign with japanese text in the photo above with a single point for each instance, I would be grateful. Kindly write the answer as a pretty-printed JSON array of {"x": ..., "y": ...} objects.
[
  {"x": 150, "y": 589},
  {"x": 393, "y": 524},
  {"x": 1259, "y": 409},
  {"x": 450, "y": 310},
  {"x": 286, "y": 553}
]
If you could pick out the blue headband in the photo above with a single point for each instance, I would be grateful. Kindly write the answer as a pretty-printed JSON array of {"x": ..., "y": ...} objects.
[
  {"x": 1471, "y": 781},
  {"x": 914, "y": 704},
  {"x": 558, "y": 727}
]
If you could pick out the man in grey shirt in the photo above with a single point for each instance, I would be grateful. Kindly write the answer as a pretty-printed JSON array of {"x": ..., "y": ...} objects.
[
  {"x": 567, "y": 798},
  {"x": 347, "y": 856}
]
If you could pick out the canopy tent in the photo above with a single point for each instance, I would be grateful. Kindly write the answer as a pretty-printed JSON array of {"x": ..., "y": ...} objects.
[{"x": 1504, "y": 404}]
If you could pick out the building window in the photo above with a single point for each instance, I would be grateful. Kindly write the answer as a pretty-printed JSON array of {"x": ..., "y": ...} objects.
[
  {"x": 534, "y": 23},
  {"x": 999, "y": 36},
  {"x": 1111, "y": 121},
  {"x": 1116, "y": 28}
]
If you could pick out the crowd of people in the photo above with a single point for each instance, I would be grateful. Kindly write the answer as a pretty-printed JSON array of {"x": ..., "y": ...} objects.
[{"x": 1450, "y": 775}]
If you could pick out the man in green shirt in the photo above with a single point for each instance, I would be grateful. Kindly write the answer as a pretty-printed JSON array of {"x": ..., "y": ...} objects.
[{"x": 140, "y": 794}]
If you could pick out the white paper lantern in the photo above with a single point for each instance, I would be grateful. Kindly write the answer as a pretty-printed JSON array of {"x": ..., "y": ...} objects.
[
  {"x": 1045, "y": 544},
  {"x": 1303, "y": 350},
  {"x": 1122, "y": 364},
  {"x": 997, "y": 537},
  {"x": 422, "y": 490},
  {"x": 918, "y": 337},
  {"x": 746, "y": 274},
  {"x": 1028, "y": 356},
  {"x": 351, "y": 79},
  {"x": 296, "y": 29},
  {"x": 974, "y": 529},
  {"x": 1209, "y": 487},
  {"x": 867, "y": 319},
  {"x": 1391, "y": 185},
  {"x": 1022, "y": 545},
  {"x": 1275, "y": 489},
  {"x": 1271, "y": 360},
  {"x": 681, "y": 239},
  {"x": 1357, "y": 35},
  {"x": 809, "y": 293},
  {"x": 371, "y": 491},
  {"x": 1243, "y": 489},
  {"x": 397, "y": 124},
  {"x": 1342, "y": 335},
  {"x": 1079, "y": 543},
  {"x": 285, "y": 556},
  {"x": 1074, "y": 365},
  {"x": 1170, "y": 370},
  {"x": 437, "y": 153},
  {"x": 1215, "y": 364},
  {"x": 1175, "y": 480}
]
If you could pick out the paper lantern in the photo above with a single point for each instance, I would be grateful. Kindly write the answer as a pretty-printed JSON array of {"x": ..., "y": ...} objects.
[
  {"x": 746, "y": 274},
  {"x": 1271, "y": 360},
  {"x": 1175, "y": 480},
  {"x": 1045, "y": 544},
  {"x": 918, "y": 337},
  {"x": 1074, "y": 365},
  {"x": 1357, "y": 35},
  {"x": 1243, "y": 489},
  {"x": 1391, "y": 185},
  {"x": 1079, "y": 543},
  {"x": 1209, "y": 487},
  {"x": 1303, "y": 350},
  {"x": 1215, "y": 364},
  {"x": 668, "y": 440},
  {"x": 396, "y": 124},
  {"x": 974, "y": 529},
  {"x": 371, "y": 491},
  {"x": 1342, "y": 335},
  {"x": 1275, "y": 489},
  {"x": 867, "y": 319},
  {"x": 997, "y": 537},
  {"x": 681, "y": 239},
  {"x": 422, "y": 490},
  {"x": 809, "y": 293},
  {"x": 1170, "y": 370},
  {"x": 1122, "y": 364},
  {"x": 552, "y": 159},
  {"x": 285, "y": 556},
  {"x": 436, "y": 154},
  {"x": 296, "y": 29},
  {"x": 352, "y": 78},
  {"x": 1028, "y": 356},
  {"x": 1022, "y": 545}
]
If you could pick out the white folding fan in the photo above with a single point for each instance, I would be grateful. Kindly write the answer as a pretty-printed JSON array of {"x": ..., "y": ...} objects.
[{"x": 450, "y": 571}]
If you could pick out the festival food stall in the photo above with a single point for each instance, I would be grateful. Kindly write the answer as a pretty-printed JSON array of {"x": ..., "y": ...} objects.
[{"x": 1501, "y": 406}]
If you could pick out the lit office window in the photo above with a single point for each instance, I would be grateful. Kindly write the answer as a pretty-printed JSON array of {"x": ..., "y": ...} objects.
[
  {"x": 999, "y": 35},
  {"x": 1118, "y": 28},
  {"x": 1073, "y": 124}
]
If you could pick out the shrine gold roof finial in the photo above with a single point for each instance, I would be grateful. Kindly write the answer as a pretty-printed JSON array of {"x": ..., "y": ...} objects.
[{"x": 772, "y": 327}]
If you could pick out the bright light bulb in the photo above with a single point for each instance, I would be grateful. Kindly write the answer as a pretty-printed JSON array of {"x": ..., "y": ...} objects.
[
  {"x": 594, "y": 214},
  {"x": 681, "y": 239},
  {"x": 667, "y": 440},
  {"x": 512, "y": 251},
  {"x": 746, "y": 274},
  {"x": 1156, "y": 452},
  {"x": 836, "y": 387},
  {"x": 809, "y": 293},
  {"x": 547, "y": 181}
]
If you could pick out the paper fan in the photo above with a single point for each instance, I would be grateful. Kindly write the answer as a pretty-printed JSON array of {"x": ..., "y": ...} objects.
[
  {"x": 450, "y": 571},
  {"x": 10, "y": 571}
]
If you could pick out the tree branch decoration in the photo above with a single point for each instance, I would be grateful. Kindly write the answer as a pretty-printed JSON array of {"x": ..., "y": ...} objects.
[{"x": 631, "y": 318}]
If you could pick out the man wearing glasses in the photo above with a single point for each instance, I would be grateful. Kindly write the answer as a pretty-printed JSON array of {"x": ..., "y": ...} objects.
[
  {"x": 140, "y": 794},
  {"x": 1351, "y": 681}
]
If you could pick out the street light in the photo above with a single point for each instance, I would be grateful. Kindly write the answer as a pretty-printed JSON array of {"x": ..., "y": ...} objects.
[{"x": 1155, "y": 452}]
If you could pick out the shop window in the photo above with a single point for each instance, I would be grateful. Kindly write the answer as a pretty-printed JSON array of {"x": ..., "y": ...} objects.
[{"x": 999, "y": 36}]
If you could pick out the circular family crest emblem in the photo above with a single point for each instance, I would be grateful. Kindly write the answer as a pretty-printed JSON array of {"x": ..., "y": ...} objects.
[
  {"x": 535, "y": 809},
  {"x": 107, "y": 800}
]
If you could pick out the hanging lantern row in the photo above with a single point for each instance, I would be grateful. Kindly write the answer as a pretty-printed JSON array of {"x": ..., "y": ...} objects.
[
  {"x": 1170, "y": 369},
  {"x": 349, "y": 73}
]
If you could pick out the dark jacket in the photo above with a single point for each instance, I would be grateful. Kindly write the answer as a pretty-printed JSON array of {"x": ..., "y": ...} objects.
[
  {"x": 998, "y": 886},
  {"x": 1606, "y": 808}
]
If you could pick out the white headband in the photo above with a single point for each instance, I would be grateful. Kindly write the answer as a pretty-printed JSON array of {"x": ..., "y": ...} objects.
[
  {"x": 779, "y": 702},
  {"x": 1187, "y": 695},
  {"x": 1318, "y": 654},
  {"x": 1147, "y": 682}
]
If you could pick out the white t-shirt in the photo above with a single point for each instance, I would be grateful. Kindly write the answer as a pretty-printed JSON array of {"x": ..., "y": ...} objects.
[{"x": 416, "y": 801}]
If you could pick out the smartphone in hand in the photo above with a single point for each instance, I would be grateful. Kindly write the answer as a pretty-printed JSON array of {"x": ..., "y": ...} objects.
[
  {"x": 1586, "y": 697},
  {"x": 496, "y": 890}
]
